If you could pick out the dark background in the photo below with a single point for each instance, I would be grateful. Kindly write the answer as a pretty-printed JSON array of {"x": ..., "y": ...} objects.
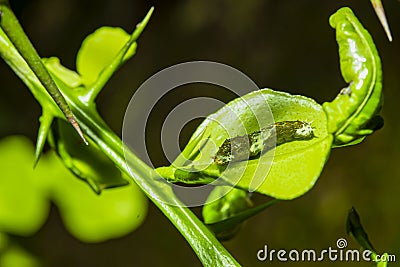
[{"x": 284, "y": 45}]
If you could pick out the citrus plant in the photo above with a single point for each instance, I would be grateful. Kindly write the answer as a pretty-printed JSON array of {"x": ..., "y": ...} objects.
[{"x": 92, "y": 152}]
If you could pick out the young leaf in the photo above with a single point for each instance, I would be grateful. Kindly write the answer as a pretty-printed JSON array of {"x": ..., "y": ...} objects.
[
  {"x": 69, "y": 77},
  {"x": 103, "y": 52},
  {"x": 353, "y": 114},
  {"x": 238, "y": 218},
  {"x": 98, "y": 51},
  {"x": 223, "y": 203}
]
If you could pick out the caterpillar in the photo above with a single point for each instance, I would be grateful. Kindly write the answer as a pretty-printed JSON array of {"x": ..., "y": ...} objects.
[{"x": 244, "y": 147}]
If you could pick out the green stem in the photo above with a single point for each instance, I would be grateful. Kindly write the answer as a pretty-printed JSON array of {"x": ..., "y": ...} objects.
[
  {"x": 106, "y": 74},
  {"x": 10, "y": 25}
]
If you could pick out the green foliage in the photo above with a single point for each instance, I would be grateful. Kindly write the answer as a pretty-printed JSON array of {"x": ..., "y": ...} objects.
[
  {"x": 295, "y": 166},
  {"x": 23, "y": 205},
  {"x": 353, "y": 114},
  {"x": 87, "y": 163},
  {"x": 356, "y": 230},
  {"x": 81, "y": 101},
  {"x": 98, "y": 51},
  {"x": 292, "y": 168},
  {"x": 92, "y": 218},
  {"x": 284, "y": 173},
  {"x": 12, "y": 255},
  {"x": 223, "y": 203},
  {"x": 17, "y": 257},
  {"x": 14, "y": 32},
  {"x": 25, "y": 194}
]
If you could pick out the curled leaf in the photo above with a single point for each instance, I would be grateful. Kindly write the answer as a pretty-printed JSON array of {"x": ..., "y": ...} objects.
[{"x": 353, "y": 114}]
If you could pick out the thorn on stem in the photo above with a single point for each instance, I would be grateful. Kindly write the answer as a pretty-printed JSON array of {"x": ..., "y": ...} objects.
[{"x": 75, "y": 124}]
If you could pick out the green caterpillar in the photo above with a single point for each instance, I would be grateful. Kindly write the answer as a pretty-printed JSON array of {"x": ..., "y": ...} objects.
[{"x": 244, "y": 147}]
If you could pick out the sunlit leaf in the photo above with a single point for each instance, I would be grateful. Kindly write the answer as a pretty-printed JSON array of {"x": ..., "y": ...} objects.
[
  {"x": 69, "y": 77},
  {"x": 95, "y": 218},
  {"x": 23, "y": 205},
  {"x": 98, "y": 51},
  {"x": 25, "y": 194},
  {"x": 286, "y": 172},
  {"x": 354, "y": 113}
]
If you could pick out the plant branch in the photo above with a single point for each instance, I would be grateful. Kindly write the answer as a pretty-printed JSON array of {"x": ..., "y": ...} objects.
[{"x": 12, "y": 28}]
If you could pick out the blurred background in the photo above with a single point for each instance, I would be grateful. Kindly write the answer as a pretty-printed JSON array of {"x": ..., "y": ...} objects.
[{"x": 283, "y": 45}]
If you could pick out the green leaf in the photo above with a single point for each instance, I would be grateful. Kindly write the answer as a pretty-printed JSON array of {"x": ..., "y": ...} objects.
[
  {"x": 293, "y": 167},
  {"x": 86, "y": 162},
  {"x": 25, "y": 194},
  {"x": 354, "y": 228},
  {"x": 225, "y": 202},
  {"x": 95, "y": 218},
  {"x": 98, "y": 50},
  {"x": 223, "y": 226},
  {"x": 69, "y": 77},
  {"x": 15, "y": 256},
  {"x": 23, "y": 203},
  {"x": 382, "y": 263},
  {"x": 353, "y": 114}
]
